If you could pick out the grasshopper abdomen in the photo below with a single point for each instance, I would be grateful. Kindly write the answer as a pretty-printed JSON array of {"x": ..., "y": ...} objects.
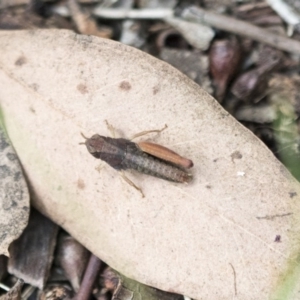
[{"x": 147, "y": 164}]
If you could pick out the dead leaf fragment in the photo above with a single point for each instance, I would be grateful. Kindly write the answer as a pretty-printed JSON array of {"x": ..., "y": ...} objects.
[
  {"x": 31, "y": 254},
  {"x": 14, "y": 196},
  {"x": 124, "y": 288},
  {"x": 72, "y": 257}
]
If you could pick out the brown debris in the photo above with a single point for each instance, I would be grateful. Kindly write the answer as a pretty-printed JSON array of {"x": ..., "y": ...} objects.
[
  {"x": 123, "y": 288},
  {"x": 242, "y": 28},
  {"x": 252, "y": 84},
  {"x": 224, "y": 59},
  {"x": 56, "y": 292},
  {"x": 20, "y": 18},
  {"x": 284, "y": 90},
  {"x": 15, "y": 292},
  {"x": 72, "y": 257},
  {"x": 31, "y": 255},
  {"x": 197, "y": 35},
  {"x": 170, "y": 38},
  {"x": 258, "y": 14},
  {"x": 85, "y": 24}
]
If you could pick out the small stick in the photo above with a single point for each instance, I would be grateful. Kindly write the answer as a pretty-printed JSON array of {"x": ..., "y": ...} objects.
[
  {"x": 4, "y": 287},
  {"x": 286, "y": 12},
  {"x": 89, "y": 278},
  {"x": 131, "y": 183},
  {"x": 4, "y": 4},
  {"x": 196, "y": 14},
  {"x": 146, "y": 13}
]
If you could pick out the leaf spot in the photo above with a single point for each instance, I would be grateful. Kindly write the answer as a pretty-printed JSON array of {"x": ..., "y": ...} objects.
[
  {"x": 155, "y": 89},
  {"x": 236, "y": 155},
  {"x": 32, "y": 109},
  {"x": 82, "y": 88},
  {"x": 125, "y": 85},
  {"x": 80, "y": 184},
  {"x": 35, "y": 86},
  {"x": 277, "y": 238},
  {"x": 292, "y": 194},
  {"x": 21, "y": 61}
]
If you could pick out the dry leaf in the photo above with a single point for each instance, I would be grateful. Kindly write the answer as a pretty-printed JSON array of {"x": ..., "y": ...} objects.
[
  {"x": 72, "y": 257},
  {"x": 216, "y": 238},
  {"x": 14, "y": 196},
  {"x": 31, "y": 254}
]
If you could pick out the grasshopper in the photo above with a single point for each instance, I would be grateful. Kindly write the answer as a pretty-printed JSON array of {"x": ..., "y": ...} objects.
[{"x": 144, "y": 157}]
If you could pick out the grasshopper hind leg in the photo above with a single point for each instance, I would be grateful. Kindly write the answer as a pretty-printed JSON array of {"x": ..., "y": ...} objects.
[
  {"x": 112, "y": 131},
  {"x": 131, "y": 183}
]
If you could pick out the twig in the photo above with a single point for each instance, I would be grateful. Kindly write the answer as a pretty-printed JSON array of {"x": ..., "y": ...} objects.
[
  {"x": 4, "y": 287},
  {"x": 11, "y": 3},
  {"x": 89, "y": 278},
  {"x": 84, "y": 23},
  {"x": 287, "y": 13},
  {"x": 110, "y": 13},
  {"x": 229, "y": 24}
]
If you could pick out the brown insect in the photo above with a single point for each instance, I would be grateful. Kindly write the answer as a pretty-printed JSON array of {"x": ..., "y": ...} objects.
[{"x": 144, "y": 157}]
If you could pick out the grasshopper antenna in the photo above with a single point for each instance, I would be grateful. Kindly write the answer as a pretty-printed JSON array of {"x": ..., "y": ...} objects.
[
  {"x": 84, "y": 138},
  {"x": 149, "y": 131}
]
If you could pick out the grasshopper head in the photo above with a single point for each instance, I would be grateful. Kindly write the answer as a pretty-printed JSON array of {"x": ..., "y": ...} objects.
[{"x": 95, "y": 144}]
